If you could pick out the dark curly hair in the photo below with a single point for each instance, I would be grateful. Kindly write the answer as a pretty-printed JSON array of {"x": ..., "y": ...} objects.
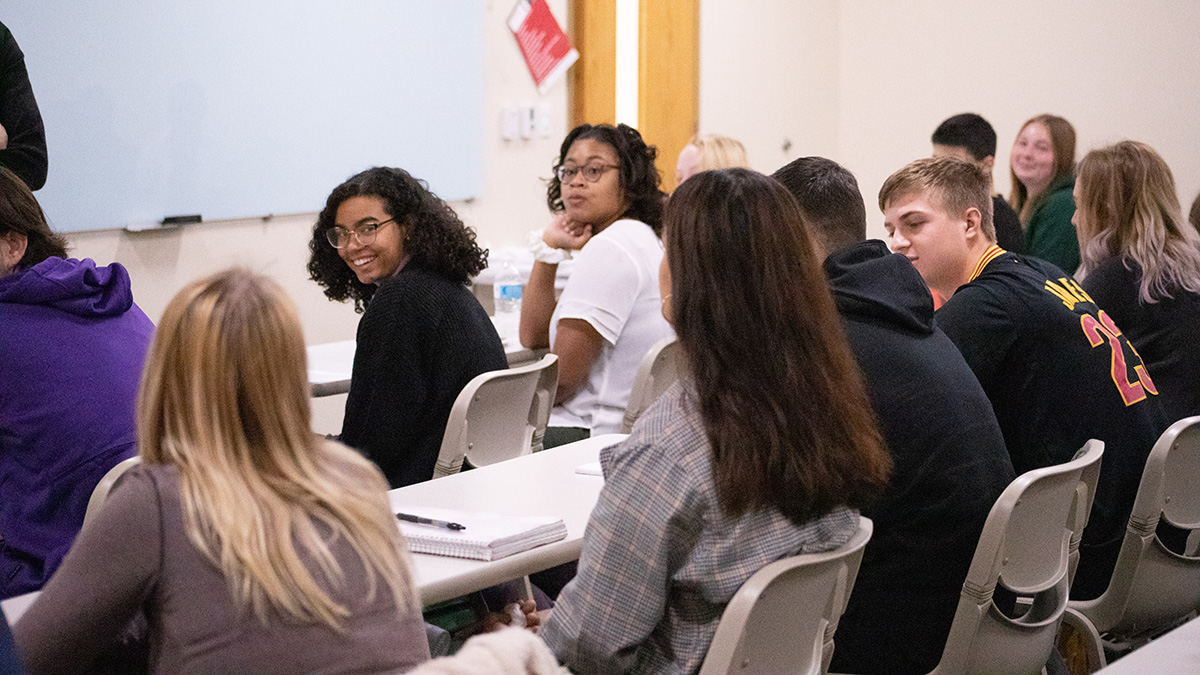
[
  {"x": 437, "y": 240},
  {"x": 639, "y": 177}
]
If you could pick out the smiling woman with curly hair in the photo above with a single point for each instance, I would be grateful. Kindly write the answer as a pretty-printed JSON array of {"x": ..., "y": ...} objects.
[{"x": 404, "y": 257}]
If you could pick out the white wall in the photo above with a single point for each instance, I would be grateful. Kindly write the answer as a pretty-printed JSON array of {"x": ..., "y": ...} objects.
[
  {"x": 863, "y": 82},
  {"x": 768, "y": 77},
  {"x": 1115, "y": 69},
  {"x": 512, "y": 202}
]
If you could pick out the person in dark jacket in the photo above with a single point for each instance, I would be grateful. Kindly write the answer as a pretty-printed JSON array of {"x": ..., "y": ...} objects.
[
  {"x": 1141, "y": 264},
  {"x": 400, "y": 252},
  {"x": 72, "y": 343},
  {"x": 1056, "y": 368},
  {"x": 950, "y": 463},
  {"x": 9, "y": 662},
  {"x": 22, "y": 134}
]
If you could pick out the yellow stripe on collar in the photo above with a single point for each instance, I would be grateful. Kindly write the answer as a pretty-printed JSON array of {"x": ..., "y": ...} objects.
[{"x": 989, "y": 255}]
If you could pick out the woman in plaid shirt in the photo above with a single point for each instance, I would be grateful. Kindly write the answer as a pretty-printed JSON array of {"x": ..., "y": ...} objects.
[{"x": 761, "y": 451}]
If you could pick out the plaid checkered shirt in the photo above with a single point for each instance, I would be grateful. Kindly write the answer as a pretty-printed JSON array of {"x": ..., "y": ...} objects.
[{"x": 660, "y": 560}]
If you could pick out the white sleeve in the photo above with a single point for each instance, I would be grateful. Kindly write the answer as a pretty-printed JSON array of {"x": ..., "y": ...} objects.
[{"x": 603, "y": 288}]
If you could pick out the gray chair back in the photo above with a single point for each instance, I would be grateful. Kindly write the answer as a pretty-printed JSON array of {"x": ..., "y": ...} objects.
[
  {"x": 1024, "y": 547},
  {"x": 657, "y": 372},
  {"x": 1152, "y": 585},
  {"x": 783, "y": 618},
  {"x": 499, "y": 415},
  {"x": 100, "y": 492}
]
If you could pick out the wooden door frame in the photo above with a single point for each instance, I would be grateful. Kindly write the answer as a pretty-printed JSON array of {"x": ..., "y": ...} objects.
[
  {"x": 668, "y": 72},
  {"x": 592, "y": 81}
]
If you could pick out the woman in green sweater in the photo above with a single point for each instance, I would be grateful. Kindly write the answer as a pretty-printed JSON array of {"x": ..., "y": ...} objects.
[{"x": 1043, "y": 175}]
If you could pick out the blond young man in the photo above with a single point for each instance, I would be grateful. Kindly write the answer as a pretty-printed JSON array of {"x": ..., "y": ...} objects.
[{"x": 1056, "y": 368}]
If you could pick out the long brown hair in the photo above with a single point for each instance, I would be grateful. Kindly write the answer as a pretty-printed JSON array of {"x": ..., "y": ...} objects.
[
  {"x": 782, "y": 399},
  {"x": 1128, "y": 207},
  {"x": 224, "y": 399},
  {"x": 1062, "y": 139}
]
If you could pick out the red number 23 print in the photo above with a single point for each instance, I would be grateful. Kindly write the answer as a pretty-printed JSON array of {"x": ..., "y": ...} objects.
[{"x": 1097, "y": 332}]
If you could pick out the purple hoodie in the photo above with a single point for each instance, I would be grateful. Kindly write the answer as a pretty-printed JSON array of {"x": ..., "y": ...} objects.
[{"x": 71, "y": 349}]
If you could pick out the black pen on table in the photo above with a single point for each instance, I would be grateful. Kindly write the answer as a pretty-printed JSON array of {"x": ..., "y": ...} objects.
[{"x": 421, "y": 520}]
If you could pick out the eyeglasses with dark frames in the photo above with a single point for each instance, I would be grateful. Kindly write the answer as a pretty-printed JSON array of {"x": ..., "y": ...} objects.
[
  {"x": 339, "y": 237},
  {"x": 590, "y": 172}
]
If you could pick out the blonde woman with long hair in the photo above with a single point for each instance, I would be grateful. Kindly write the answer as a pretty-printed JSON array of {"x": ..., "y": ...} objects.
[
  {"x": 708, "y": 153},
  {"x": 249, "y": 543},
  {"x": 1141, "y": 264}
]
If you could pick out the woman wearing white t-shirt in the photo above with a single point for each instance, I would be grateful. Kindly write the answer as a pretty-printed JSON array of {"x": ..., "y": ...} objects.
[{"x": 608, "y": 205}]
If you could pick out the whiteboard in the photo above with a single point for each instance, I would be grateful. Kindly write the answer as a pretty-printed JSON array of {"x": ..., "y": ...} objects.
[{"x": 244, "y": 108}]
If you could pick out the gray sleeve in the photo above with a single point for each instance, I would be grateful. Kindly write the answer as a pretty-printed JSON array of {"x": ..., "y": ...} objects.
[
  {"x": 103, "y": 581},
  {"x": 645, "y": 522}
]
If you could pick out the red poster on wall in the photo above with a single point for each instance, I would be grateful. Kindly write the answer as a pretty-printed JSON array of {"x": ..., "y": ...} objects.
[{"x": 546, "y": 48}]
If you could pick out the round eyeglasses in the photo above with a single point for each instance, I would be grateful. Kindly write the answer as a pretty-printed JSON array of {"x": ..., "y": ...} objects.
[
  {"x": 591, "y": 173},
  {"x": 339, "y": 237}
]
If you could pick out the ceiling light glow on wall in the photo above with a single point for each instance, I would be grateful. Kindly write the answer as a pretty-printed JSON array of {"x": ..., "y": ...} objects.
[{"x": 628, "y": 14}]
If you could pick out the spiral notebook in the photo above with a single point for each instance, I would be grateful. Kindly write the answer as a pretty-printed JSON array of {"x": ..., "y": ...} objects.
[{"x": 488, "y": 536}]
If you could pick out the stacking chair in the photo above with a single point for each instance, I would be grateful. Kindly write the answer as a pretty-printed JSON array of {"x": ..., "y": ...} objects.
[
  {"x": 1085, "y": 495},
  {"x": 1024, "y": 548},
  {"x": 1152, "y": 587},
  {"x": 100, "y": 492},
  {"x": 658, "y": 370},
  {"x": 782, "y": 620},
  {"x": 499, "y": 415}
]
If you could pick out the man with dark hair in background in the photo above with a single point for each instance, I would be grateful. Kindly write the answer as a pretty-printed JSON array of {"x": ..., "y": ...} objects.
[
  {"x": 950, "y": 463},
  {"x": 971, "y": 138}
]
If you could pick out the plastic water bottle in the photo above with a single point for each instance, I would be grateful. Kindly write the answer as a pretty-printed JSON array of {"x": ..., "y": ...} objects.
[{"x": 507, "y": 294}]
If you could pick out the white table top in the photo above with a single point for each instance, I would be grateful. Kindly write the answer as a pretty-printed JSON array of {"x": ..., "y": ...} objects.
[
  {"x": 330, "y": 364},
  {"x": 544, "y": 483},
  {"x": 329, "y": 367},
  {"x": 1176, "y": 653}
]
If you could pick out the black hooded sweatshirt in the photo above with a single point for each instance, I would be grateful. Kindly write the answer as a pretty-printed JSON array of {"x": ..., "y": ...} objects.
[{"x": 950, "y": 465}]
